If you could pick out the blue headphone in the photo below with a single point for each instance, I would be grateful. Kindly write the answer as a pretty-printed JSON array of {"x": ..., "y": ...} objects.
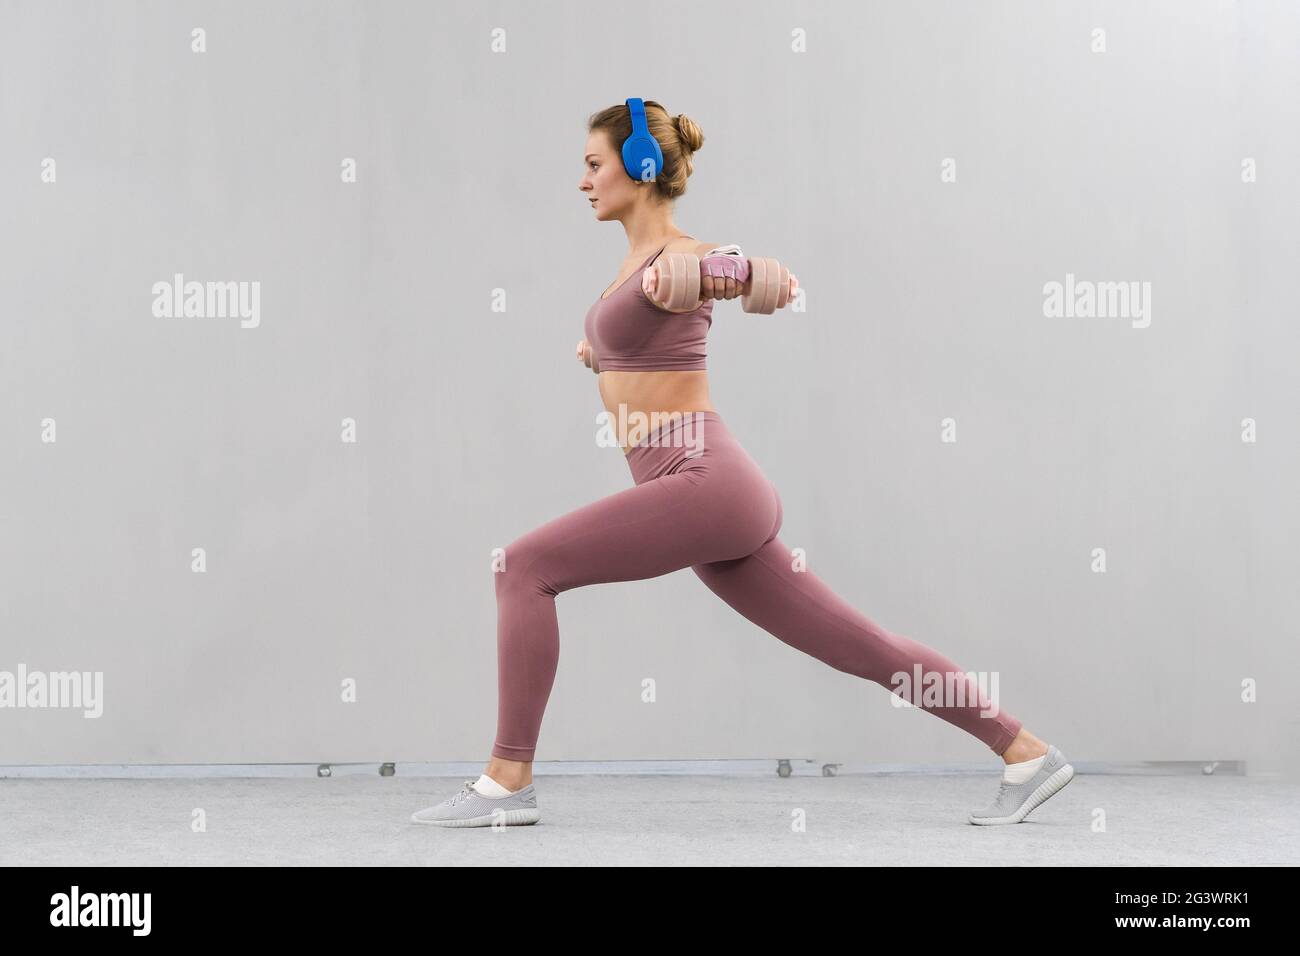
[{"x": 641, "y": 147}]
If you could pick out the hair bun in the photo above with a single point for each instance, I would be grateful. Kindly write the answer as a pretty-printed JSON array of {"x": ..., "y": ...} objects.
[{"x": 690, "y": 134}]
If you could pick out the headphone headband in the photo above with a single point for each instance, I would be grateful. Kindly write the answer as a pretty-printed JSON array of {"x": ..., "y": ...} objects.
[{"x": 636, "y": 110}]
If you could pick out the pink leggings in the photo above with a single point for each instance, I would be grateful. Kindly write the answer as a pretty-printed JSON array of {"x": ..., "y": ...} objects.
[{"x": 701, "y": 502}]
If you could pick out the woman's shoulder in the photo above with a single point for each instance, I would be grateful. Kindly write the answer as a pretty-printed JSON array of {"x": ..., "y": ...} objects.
[{"x": 690, "y": 244}]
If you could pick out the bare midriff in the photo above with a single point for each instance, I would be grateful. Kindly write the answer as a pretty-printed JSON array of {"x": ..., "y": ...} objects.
[{"x": 646, "y": 395}]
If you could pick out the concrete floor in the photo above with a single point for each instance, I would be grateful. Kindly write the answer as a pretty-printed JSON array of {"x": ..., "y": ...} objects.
[{"x": 864, "y": 819}]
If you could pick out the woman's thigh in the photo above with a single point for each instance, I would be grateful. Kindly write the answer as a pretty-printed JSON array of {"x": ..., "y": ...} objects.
[{"x": 664, "y": 525}]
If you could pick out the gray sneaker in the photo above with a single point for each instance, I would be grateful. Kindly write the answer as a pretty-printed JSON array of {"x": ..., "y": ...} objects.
[
  {"x": 1015, "y": 801},
  {"x": 469, "y": 808}
]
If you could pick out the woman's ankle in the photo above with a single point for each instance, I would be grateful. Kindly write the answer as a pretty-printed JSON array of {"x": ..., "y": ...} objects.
[
  {"x": 511, "y": 774},
  {"x": 1024, "y": 747}
]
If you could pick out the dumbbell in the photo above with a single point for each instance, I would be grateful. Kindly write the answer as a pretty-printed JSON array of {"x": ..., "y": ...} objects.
[
  {"x": 677, "y": 275},
  {"x": 587, "y": 355}
]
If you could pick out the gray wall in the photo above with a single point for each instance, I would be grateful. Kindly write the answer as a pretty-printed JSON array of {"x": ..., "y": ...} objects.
[{"x": 370, "y": 560}]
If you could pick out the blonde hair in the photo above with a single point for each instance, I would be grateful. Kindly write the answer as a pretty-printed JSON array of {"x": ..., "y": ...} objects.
[{"x": 679, "y": 139}]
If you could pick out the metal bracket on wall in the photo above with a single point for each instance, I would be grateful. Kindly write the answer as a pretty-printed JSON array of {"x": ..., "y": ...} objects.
[{"x": 786, "y": 767}]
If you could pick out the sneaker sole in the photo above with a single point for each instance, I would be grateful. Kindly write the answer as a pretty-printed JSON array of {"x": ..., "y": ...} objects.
[
  {"x": 521, "y": 817},
  {"x": 1051, "y": 785}
]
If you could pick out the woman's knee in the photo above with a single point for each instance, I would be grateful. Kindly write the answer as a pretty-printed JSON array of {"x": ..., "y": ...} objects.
[{"x": 519, "y": 569}]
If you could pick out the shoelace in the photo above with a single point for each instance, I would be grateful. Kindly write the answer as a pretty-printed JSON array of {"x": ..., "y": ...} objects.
[{"x": 465, "y": 792}]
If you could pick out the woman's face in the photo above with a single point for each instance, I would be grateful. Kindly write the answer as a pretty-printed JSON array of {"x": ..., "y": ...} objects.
[{"x": 608, "y": 188}]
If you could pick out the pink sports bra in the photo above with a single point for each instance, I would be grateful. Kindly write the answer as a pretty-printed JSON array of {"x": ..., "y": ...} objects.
[{"x": 629, "y": 333}]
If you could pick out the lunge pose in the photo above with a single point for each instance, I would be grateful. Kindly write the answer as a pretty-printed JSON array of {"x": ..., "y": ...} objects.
[{"x": 698, "y": 500}]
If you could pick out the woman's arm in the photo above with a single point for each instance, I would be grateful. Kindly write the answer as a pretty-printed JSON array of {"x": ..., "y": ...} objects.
[{"x": 711, "y": 287}]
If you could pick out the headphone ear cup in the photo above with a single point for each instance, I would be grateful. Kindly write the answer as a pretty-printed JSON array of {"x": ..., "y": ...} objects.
[{"x": 641, "y": 154}]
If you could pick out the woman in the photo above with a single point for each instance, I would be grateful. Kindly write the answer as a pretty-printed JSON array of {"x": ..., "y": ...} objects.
[{"x": 698, "y": 501}]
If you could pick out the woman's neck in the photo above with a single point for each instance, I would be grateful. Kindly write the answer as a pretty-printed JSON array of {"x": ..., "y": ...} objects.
[{"x": 647, "y": 231}]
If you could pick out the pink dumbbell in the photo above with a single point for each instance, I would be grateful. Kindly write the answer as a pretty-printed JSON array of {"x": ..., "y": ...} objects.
[
  {"x": 677, "y": 289},
  {"x": 587, "y": 356}
]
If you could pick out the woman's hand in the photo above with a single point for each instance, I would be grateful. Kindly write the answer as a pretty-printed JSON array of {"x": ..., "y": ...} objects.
[
  {"x": 718, "y": 287},
  {"x": 650, "y": 282},
  {"x": 724, "y": 272},
  {"x": 587, "y": 355}
]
